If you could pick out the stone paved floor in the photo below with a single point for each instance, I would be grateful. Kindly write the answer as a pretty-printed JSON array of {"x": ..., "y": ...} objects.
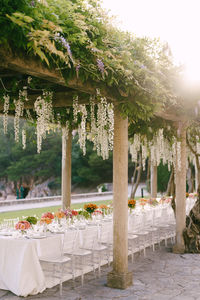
[{"x": 162, "y": 275}]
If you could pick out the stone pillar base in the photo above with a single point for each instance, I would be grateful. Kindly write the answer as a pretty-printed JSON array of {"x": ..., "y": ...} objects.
[
  {"x": 119, "y": 280},
  {"x": 178, "y": 249}
]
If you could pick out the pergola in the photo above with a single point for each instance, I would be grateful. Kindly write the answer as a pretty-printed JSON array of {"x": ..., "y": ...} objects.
[{"x": 13, "y": 65}]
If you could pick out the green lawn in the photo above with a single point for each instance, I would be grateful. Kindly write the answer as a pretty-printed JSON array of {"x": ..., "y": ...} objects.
[{"x": 39, "y": 211}]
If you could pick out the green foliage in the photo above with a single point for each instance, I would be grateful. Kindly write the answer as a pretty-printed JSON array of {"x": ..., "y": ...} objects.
[
  {"x": 68, "y": 34},
  {"x": 32, "y": 220},
  {"x": 163, "y": 177}
]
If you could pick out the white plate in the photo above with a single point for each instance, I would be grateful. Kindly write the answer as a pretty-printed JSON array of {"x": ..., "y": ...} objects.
[
  {"x": 37, "y": 236},
  {"x": 5, "y": 233}
]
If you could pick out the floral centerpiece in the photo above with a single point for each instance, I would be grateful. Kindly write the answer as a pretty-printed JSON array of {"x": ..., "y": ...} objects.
[
  {"x": 59, "y": 214},
  {"x": 32, "y": 220},
  {"x": 131, "y": 204},
  {"x": 83, "y": 213},
  {"x": 104, "y": 208},
  {"x": 23, "y": 226},
  {"x": 74, "y": 213},
  {"x": 47, "y": 218},
  {"x": 45, "y": 221},
  {"x": 68, "y": 213},
  {"x": 90, "y": 207},
  {"x": 48, "y": 215},
  {"x": 143, "y": 202}
]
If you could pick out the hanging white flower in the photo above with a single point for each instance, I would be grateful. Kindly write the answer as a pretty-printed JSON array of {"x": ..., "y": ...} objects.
[
  {"x": 135, "y": 147},
  {"x": 6, "y": 99},
  {"x": 110, "y": 112},
  {"x": 82, "y": 128},
  {"x": 44, "y": 110},
  {"x": 102, "y": 136},
  {"x": 23, "y": 96},
  {"x": 19, "y": 107},
  {"x": 23, "y": 138},
  {"x": 75, "y": 108}
]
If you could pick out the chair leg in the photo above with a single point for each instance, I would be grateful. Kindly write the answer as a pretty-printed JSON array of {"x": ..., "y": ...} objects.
[
  {"x": 73, "y": 271},
  {"x": 61, "y": 278}
]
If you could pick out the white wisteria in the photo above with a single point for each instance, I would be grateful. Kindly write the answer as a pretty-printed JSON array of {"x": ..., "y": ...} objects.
[
  {"x": 19, "y": 108},
  {"x": 23, "y": 138},
  {"x": 135, "y": 147},
  {"x": 101, "y": 125},
  {"x": 6, "y": 105},
  {"x": 82, "y": 128},
  {"x": 158, "y": 149},
  {"x": 95, "y": 123},
  {"x": 44, "y": 110}
]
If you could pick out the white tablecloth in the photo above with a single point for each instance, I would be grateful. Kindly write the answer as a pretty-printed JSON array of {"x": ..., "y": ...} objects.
[{"x": 20, "y": 269}]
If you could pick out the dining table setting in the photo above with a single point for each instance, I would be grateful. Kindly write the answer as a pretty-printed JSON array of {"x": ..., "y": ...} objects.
[{"x": 24, "y": 242}]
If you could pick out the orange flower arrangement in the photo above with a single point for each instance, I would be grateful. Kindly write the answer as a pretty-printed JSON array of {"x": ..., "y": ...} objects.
[
  {"x": 48, "y": 215},
  {"x": 143, "y": 201},
  {"x": 90, "y": 207},
  {"x": 59, "y": 214},
  {"x": 103, "y": 206},
  {"x": 46, "y": 220},
  {"x": 131, "y": 203}
]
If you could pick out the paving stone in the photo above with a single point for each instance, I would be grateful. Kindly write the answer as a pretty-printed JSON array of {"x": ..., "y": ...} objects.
[{"x": 159, "y": 276}]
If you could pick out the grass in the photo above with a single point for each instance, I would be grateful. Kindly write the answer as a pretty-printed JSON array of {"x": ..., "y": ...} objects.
[{"x": 39, "y": 211}]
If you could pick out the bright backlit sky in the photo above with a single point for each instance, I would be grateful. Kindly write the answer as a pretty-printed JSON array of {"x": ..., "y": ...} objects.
[{"x": 174, "y": 21}]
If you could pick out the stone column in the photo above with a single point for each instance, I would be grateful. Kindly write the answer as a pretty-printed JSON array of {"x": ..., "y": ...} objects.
[
  {"x": 119, "y": 277},
  {"x": 196, "y": 177},
  {"x": 180, "y": 179},
  {"x": 153, "y": 181},
  {"x": 66, "y": 169}
]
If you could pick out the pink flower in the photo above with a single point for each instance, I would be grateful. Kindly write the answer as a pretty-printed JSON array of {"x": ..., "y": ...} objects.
[{"x": 22, "y": 225}]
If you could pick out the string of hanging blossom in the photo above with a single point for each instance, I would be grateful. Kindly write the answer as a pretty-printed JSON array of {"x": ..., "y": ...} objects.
[
  {"x": 94, "y": 122},
  {"x": 158, "y": 149}
]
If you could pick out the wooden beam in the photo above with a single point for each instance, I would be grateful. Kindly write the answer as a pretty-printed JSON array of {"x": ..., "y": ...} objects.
[{"x": 33, "y": 66}]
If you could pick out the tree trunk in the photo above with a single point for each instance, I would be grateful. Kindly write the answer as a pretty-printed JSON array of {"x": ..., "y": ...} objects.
[
  {"x": 148, "y": 174},
  {"x": 189, "y": 179},
  {"x": 139, "y": 172},
  {"x": 196, "y": 175},
  {"x": 66, "y": 170},
  {"x": 191, "y": 233}
]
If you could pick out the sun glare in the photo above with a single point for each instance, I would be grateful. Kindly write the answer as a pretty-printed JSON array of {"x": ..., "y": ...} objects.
[{"x": 174, "y": 21}]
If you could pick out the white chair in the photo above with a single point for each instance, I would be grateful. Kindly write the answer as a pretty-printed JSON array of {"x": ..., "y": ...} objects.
[
  {"x": 9, "y": 223},
  {"x": 81, "y": 258},
  {"x": 55, "y": 256}
]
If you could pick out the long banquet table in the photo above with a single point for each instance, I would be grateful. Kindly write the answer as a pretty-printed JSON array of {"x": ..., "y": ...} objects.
[{"x": 20, "y": 268}]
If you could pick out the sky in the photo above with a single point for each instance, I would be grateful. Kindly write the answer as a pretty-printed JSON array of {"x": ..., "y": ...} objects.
[{"x": 174, "y": 21}]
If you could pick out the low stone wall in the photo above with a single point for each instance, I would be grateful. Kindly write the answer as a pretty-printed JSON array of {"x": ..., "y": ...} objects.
[{"x": 52, "y": 198}]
